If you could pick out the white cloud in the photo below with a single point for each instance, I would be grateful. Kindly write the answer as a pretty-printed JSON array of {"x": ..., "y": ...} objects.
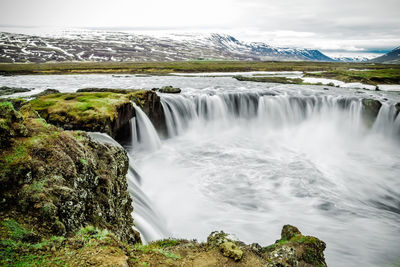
[{"x": 356, "y": 25}]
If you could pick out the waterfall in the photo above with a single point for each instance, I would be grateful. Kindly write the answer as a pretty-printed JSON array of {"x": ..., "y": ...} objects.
[
  {"x": 274, "y": 110},
  {"x": 147, "y": 221},
  {"x": 144, "y": 135},
  {"x": 388, "y": 121}
]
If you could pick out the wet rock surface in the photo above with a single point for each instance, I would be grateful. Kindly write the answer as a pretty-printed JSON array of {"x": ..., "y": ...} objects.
[
  {"x": 371, "y": 109},
  {"x": 5, "y": 90}
]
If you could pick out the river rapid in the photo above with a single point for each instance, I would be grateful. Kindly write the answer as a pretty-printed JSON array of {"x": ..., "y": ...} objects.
[{"x": 248, "y": 158}]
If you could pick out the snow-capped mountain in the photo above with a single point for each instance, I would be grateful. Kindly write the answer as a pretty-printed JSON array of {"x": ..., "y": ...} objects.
[
  {"x": 351, "y": 58},
  {"x": 393, "y": 57},
  {"x": 90, "y": 45}
]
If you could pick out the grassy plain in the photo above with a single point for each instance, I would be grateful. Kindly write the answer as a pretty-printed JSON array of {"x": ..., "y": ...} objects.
[
  {"x": 369, "y": 73},
  {"x": 183, "y": 67}
]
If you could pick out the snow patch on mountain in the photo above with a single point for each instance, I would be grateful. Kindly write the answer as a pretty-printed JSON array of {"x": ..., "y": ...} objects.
[{"x": 96, "y": 45}]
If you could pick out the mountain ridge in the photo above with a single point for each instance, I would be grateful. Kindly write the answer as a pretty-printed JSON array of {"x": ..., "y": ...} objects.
[
  {"x": 121, "y": 46},
  {"x": 392, "y": 57}
]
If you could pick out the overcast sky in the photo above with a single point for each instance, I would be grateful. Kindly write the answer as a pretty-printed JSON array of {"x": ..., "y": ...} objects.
[{"x": 333, "y": 26}]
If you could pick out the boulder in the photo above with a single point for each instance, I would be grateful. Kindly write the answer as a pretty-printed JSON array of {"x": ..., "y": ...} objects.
[{"x": 169, "y": 90}]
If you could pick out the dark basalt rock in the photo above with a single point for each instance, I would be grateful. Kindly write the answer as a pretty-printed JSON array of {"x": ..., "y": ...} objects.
[
  {"x": 371, "y": 109},
  {"x": 397, "y": 107},
  {"x": 5, "y": 90},
  {"x": 151, "y": 105},
  {"x": 47, "y": 92}
]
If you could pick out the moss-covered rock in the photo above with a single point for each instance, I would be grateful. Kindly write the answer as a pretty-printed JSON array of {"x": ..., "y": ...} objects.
[
  {"x": 103, "y": 111},
  {"x": 289, "y": 231},
  {"x": 99, "y": 109},
  {"x": 169, "y": 90},
  {"x": 295, "y": 249},
  {"x": 64, "y": 180},
  {"x": 10, "y": 124}
]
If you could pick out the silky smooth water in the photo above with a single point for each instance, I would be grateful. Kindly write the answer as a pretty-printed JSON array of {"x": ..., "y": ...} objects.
[
  {"x": 248, "y": 164},
  {"x": 248, "y": 158}
]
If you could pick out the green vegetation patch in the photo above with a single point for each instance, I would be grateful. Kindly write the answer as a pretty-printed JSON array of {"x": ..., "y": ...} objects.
[
  {"x": 284, "y": 80},
  {"x": 373, "y": 77},
  {"x": 182, "y": 67},
  {"x": 79, "y": 106},
  {"x": 21, "y": 247}
]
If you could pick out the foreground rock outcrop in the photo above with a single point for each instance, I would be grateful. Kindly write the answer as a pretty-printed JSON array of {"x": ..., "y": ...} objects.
[
  {"x": 59, "y": 181},
  {"x": 91, "y": 246}
]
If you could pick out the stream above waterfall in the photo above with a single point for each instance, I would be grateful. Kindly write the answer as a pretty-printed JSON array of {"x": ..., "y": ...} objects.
[{"x": 248, "y": 158}]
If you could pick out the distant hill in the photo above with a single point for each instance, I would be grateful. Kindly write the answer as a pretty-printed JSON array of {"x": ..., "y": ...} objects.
[
  {"x": 393, "y": 57},
  {"x": 91, "y": 45}
]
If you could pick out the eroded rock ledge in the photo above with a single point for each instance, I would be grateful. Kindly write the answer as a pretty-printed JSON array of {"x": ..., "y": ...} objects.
[{"x": 99, "y": 109}]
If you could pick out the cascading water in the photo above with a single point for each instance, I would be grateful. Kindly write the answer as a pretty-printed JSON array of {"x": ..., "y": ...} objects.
[
  {"x": 144, "y": 136},
  {"x": 249, "y": 163},
  {"x": 228, "y": 109},
  {"x": 147, "y": 221}
]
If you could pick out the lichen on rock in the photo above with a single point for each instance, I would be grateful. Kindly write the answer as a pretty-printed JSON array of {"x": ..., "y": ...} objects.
[{"x": 231, "y": 250}]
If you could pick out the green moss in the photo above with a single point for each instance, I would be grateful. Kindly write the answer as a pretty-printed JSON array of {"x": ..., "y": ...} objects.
[
  {"x": 284, "y": 80},
  {"x": 6, "y": 104},
  {"x": 14, "y": 229},
  {"x": 282, "y": 242},
  {"x": 14, "y": 251},
  {"x": 84, "y": 110},
  {"x": 139, "y": 97},
  {"x": 90, "y": 232},
  {"x": 157, "y": 245},
  {"x": 18, "y": 153},
  {"x": 167, "y": 254}
]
